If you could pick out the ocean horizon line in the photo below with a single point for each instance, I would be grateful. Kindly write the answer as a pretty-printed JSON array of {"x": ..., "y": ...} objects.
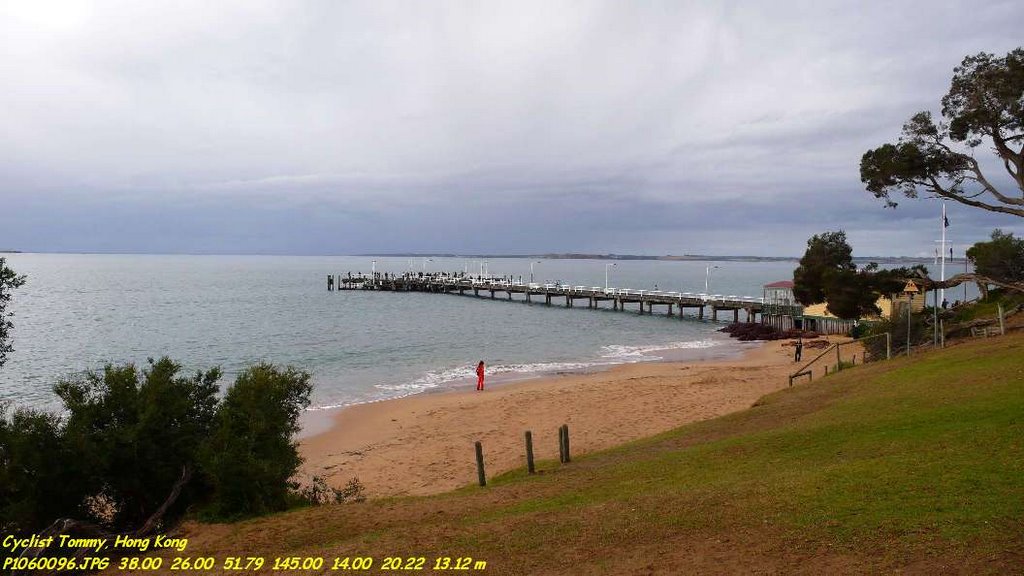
[{"x": 544, "y": 256}]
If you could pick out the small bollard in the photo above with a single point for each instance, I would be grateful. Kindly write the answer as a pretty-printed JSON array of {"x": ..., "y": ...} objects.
[
  {"x": 561, "y": 444},
  {"x": 529, "y": 453},
  {"x": 480, "y": 464}
]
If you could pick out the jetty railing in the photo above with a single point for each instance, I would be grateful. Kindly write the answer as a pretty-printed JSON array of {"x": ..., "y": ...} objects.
[{"x": 646, "y": 299}]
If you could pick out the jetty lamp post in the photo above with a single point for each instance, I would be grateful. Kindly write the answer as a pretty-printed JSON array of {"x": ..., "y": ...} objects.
[
  {"x": 531, "y": 270},
  {"x": 707, "y": 278},
  {"x": 373, "y": 273},
  {"x": 606, "y": 266}
]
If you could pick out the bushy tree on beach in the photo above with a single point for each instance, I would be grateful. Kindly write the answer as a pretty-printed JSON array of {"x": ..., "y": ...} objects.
[
  {"x": 251, "y": 456},
  {"x": 9, "y": 280},
  {"x": 1001, "y": 258},
  {"x": 827, "y": 255},
  {"x": 985, "y": 104},
  {"x": 138, "y": 431},
  {"x": 38, "y": 471},
  {"x": 137, "y": 448}
]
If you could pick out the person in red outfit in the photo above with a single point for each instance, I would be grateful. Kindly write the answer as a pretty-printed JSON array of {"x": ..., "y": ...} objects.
[{"x": 480, "y": 375}]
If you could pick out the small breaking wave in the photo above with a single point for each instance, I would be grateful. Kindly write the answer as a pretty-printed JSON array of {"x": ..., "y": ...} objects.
[
  {"x": 611, "y": 355},
  {"x": 436, "y": 378},
  {"x": 642, "y": 353}
]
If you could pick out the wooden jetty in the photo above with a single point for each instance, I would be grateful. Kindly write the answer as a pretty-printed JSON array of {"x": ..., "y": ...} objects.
[{"x": 505, "y": 288}]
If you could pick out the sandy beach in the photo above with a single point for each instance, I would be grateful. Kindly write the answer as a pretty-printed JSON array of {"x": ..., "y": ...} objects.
[{"x": 424, "y": 444}]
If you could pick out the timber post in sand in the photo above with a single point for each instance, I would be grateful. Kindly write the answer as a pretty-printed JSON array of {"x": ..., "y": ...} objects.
[
  {"x": 530, "y": 469},
  {"x": 481, "y": 477},
  {"x": 563, "y": 444},
  {"x": 567, "y": 457}
]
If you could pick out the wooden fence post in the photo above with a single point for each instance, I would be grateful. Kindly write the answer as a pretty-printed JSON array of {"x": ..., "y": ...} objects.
[
  {"x": 480, "y": 464},
  {"x": 567, "y": 457},
  {"x": 561, "y": 444},
  {"x": 529, "y": 453}
]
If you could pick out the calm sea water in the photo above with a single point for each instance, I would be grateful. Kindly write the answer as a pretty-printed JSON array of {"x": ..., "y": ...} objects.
[{"x": 78, "y": 312}]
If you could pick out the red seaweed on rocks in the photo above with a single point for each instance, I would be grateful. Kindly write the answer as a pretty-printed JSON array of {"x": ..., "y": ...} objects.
[{"x": 746, "y": 331}]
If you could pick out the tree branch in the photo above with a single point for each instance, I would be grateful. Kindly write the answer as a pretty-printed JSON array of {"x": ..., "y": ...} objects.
[
  {"x": 1008, "y": 156},
  {"x": 930, "y": 284},
  {"x": 976, "y": 168},
  {"x": 939, "y": 190}
]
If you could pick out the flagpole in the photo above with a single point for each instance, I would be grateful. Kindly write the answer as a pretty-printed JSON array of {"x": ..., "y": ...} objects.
[
  {"x": 966, "y": 271},
  {"x": 942, "y": 268}
]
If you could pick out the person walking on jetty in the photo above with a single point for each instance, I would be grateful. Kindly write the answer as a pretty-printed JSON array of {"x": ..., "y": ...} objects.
[{"x": 480, "y": 375}]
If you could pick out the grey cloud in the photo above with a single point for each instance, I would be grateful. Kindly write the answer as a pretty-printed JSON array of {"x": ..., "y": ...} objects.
[{"x": 325, "y": 127}]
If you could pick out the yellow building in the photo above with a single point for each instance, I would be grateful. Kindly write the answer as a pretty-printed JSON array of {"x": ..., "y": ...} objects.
[
  {"x": 783, "y": 311},
  {"x": 890, "y": 307}
]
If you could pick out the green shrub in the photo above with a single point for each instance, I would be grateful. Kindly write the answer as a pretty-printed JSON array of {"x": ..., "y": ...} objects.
[
  {"x": 251, "y": 457},
  {"x": 919, "y": 334},
  {"x": 861, "y": 330},
  {"x": 317, "y": 492},
  {"x": 129, "y": 434},
  {"x": 38, "y": 471},
  {"x": 139, "y": 430},
  {"x": 1002, "y": 258}
]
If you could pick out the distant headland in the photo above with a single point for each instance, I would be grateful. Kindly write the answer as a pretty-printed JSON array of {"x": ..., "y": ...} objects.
[{"x": 668, "y": 257}]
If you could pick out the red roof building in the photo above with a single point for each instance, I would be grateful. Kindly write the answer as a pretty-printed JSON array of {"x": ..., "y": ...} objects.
[{"x": 779, "y": 293}]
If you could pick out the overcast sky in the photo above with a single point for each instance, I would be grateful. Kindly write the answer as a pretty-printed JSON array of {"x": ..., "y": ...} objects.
[{"x": 352, "y": 127}]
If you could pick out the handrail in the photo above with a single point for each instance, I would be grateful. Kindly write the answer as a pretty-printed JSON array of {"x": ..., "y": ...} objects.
[{"x": 803, "y": 371}]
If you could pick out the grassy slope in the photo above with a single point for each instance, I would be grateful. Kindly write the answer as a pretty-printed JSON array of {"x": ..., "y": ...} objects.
[{"x": 913, "y": 465}]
